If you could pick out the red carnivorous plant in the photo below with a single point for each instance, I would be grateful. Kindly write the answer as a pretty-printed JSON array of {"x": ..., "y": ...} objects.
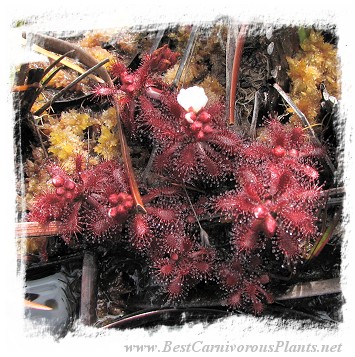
[
  {"x": 277, "y": 196},
  {"x": 95, "y": 200},
  {"x": 144, "y": 82},
  {"x": 287, "y": 145},
  {"x": 193, "y": 141},
  {"x": 177, "y": 259}
]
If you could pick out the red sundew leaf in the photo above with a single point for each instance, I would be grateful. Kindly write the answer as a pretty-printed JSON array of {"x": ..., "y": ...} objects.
[
  {"x": 203, "y": 268},
  {"x": 79, "y": 160},
  {"x": 175, "y": 288},
  {"x": 47, "y": 207},
  {"x": 256, "y": 151},
  {"x": 251, "y": 184},
  {"x": 163, "y": 161},
  {"x": 168, "y": 191},
  {"x": 70, "y": 223},
  {"x": 173, "y": 242},
  {"x": 100, "y": 226},
  {"x": 258, "y": 306},
  {"x": 117, "y": 68},
  {"x": 277, "y": 134},
  {"x": 301, "y": 169},
  {"x": 166, "y": 269},
  {"x": 227, "y": 141},
  {"x": 270, "y": 225},
  {"x": 56, "y": 170},
  {"x": 310, "y": 196},
  {"x": 140, "y": 232},
  {"x": 104, "y": 90},
  {"x": 167, "y": 215},
  {"x": 226, "y": 204},
  {"x": 230, "y": 281},
  {"x": 162, "y": 59},
  {"x": 243, "y": 203},
  {"x": 288, "y": 246},
  {"x": 280, "y": 179},
  {"x": 235, "y": 299},
  {"x": 309, "y": 171},
  {"x": 160, "y": 128},
  {"x": 172, "y": 105},
  {"x": 264, "y": 279},
  {"x": 245, "y": 239},
  {"x": 312, "y": 151},
  {"x": 120, "y": 179},
  {"x": 299, "y": 220},
  {"x": 187, "y": 165},
  {"x": 140, "y": 226},
  {"x": 224, "y": 165},
  {"x": 297, "y": 137},
  {"x": 217, "y": 110},
  {"x": 212, "y": 168}
]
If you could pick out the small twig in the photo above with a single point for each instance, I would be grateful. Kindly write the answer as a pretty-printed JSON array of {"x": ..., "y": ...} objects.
[
  {"x": 70, "y": 85},
  {"x": 25, "y": 87},
  {"x": 255, "y": 115},
  {"x": 89, "y": 289},
  {"x": 239, "y": 45},
  {"x": 150, "y": 163},
  {"x": 58, "y": 261},
  {"x": 34, "y": 229},
  {"x": 34, "y": 305},
  {"x": 57, "y": 58},
  {"x": 331, "y": 192},
  {"x": 312, "y": 288},
  {"x": 41, "y": 88},
  {"x": 203, "y": 234},
  {"x": 283, "y": 309},
  {"x": 186, "y": 56}
]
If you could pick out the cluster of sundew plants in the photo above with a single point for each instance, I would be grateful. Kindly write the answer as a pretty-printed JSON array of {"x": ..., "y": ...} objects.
[{"x": 267, "y": 190}]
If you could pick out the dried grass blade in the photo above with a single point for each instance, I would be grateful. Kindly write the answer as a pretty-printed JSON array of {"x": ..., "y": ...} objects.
[
  {"x": 187, "y": 54},
  {"x": 70, "y": 85}
]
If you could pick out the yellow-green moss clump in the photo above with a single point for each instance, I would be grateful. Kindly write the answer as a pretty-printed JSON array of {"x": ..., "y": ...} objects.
[
  {"x": 316, "y": 63},
  {"x": 67, "y": 134},
  {"x": 107, "y": 145}
]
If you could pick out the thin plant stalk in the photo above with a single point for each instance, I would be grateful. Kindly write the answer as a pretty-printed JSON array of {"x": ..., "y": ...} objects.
[
  {"x": 239, "y": 46},
  {"x": 203, "y": 234}
]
